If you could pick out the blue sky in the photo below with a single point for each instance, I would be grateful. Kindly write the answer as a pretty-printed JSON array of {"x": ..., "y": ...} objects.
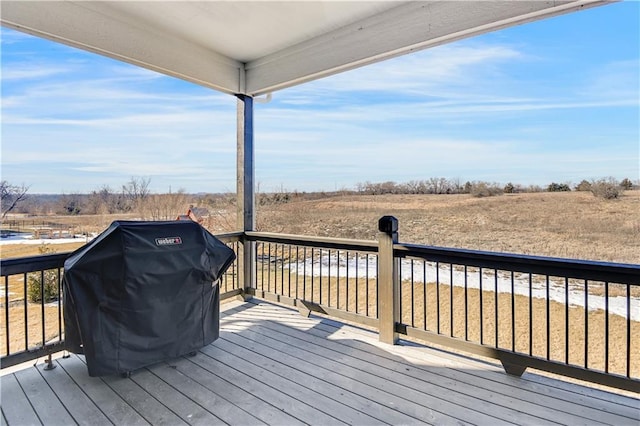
[{"x": 551, "y": 101}]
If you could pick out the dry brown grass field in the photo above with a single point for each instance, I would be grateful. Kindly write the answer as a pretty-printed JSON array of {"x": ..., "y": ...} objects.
[
  {"x": 571, "y": 225},
  {"x": 558, "y": 224}
]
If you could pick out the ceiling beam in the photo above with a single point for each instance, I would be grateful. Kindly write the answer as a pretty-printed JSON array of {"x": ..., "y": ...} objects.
[
  {"x": 94, "y": 27},
  {"x": 403, "y": 29}
]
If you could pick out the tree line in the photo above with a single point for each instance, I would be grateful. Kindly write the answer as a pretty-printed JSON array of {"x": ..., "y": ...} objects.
[
  {"x": 604, "y": 187},
  {"x": 136, "y": 198}
]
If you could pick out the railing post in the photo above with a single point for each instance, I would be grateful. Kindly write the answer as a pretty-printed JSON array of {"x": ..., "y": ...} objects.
[
  {"x": 245, "y": 191},
  {"x": 388, "y": 280}
]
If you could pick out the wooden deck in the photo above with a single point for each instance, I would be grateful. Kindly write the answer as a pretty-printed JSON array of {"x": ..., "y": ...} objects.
[{"x": 273, "y": 366}]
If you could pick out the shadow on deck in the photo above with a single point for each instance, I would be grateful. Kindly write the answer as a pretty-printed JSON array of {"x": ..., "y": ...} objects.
[{"x": 273, "y": 366}]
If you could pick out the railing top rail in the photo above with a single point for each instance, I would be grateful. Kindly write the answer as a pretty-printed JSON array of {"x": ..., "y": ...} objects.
[
  {"x": 229, "y": 236},
  {"x": 322, "y": 242},
  {"x": 19, "y": 265},
  {"x": 573, "y": 268}
]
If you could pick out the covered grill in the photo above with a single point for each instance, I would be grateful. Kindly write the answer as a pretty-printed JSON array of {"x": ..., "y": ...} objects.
[{"x": 143, "y": 292}]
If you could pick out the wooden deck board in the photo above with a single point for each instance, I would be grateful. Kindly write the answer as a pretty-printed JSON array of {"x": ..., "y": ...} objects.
[
  {"x": 80, "y": 406},
  {"x": 456, "y": 381},
  {"x": 223, "y": 408},
  {"x": 420, "y": 386},
  {"x": 496, "y": 388},
  {"x": 108, "y": 401},
  {"x": 273, "y": 366},
  {"x": 41, "y": 397},
  {"x": 16, "y": 408}
]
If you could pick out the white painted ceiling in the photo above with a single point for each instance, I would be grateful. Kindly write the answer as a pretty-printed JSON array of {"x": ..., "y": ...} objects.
[{"x": 256, "y": 47}]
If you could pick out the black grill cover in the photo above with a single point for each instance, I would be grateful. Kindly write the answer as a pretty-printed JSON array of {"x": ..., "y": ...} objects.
[{"x": 143, "y": 292}]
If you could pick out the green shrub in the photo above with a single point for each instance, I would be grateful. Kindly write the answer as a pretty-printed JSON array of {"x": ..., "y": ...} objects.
[
  {"x": 558, "y": 187},
  {"x": 626, "y": 184},
  {"x": 509, "y": 188},
  {"x": 34, "y": 286},
  {"x": 35, "y": 282}
]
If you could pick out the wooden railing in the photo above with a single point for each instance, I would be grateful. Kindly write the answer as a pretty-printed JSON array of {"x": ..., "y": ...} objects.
[{"x": 576, "y": 318}]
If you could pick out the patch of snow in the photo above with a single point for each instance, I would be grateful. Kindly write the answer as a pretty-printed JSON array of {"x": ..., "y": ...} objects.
[
  {"x": 339, "y": 266},
  {"x": 27, "y": 238}
]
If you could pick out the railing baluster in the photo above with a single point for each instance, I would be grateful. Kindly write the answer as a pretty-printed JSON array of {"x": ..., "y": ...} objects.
[
  {"x": 481, "y": 309},
  {"x": 451, "y": 299},
  {"x": 346, "y": 277},
  {"x": 424, "y": 292},
  {"x": 26, "y": 320},
  {"x": 413, "y": 317},
  {"x": 548, "y": 312},
  {"x": 6, "y": 312},
  {"x": 513, "y": 313},
  {"x": 466, "y": 304},
  {"x": 329, "y": 281},
  {"x": 289, "y": 273},
  {"x": 628, "y": 331},
  {"x": 304, "y": 273},
  {"x": 269, "y": 261},
  {"x": 530, "y": 315},
  {"x": 59, "y": 276},
  {"x": 606, "y": 326},
  {"x": 586, "y": 324},
  {"x": 366, "y": 285},
  {"x": 282, "y": 269},
  {"x": 357, "y": 263},
  {"x": 438, "y": 297},
  {"x": 400, "y": 291},
  {"x": 313, "y": 261},
  {"x": 566, "y": 320},
  {"x": 495, "y": 305}
]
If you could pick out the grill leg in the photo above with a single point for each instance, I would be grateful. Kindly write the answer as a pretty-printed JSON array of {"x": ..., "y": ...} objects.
[{"x": 50, "y": 365}]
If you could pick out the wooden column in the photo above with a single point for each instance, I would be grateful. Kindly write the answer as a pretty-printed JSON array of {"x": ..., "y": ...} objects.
[
  {"x": 245, "y": 212},
  {"x": 388, "y": 280}
]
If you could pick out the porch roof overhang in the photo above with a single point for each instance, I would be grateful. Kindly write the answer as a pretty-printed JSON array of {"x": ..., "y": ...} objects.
[{"x": 257, "y": 47}]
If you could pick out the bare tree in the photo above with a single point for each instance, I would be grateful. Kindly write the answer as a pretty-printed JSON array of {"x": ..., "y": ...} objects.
[
  {"x": 12, "y": 195},
  {"x": 136, "y": 191},
  {"x": 166, "y": 206}
]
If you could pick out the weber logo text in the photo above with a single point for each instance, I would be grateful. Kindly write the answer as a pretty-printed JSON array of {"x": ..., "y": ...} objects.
[{"x": 168, "y": 241}]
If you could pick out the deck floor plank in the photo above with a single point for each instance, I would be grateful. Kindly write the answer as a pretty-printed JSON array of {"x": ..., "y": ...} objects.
[
  {"x": 273, "y": 366},
  {"x": 109, "y": 402},
  {"x": 16, "y": 408},
  {"x": 425, "y": 406},
  {"x": 216, "y": 403},
  {"x": 249, "y": 363},
  {"x": 143, "y": 402},
  {"x": 83, "y": 410},
  {"x": 529, "y": 381},
  {"x": 259, "y": 408},
  {"x": 295, "y": 407},
  {"x": 579, "y": 400},
  {"x": 174, "y": 400},
  {"x": 320, "y": 383},
  {"x": 452, "y": 380},
  {"x": 42, "y": 398}
]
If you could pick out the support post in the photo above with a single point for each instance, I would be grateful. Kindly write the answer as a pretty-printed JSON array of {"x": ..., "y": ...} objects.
[
  {"x": 245, "y": 190},
  {"x": 388, "y": 280}
]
